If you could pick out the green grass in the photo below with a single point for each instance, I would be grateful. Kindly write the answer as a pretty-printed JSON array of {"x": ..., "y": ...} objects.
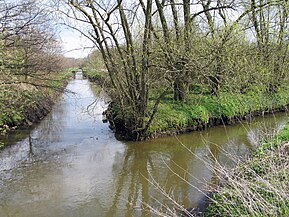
[
  {"x": 95, "y": 75},
  {"x": 199, "y": 108},
  {"x": 258, "y": 187},
  {"x": 18, "y": 100},
  {"x": 59, "y": 80}
]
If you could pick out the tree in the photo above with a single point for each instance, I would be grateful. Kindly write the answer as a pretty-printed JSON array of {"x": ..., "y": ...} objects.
[
  {"x": 126, "y": 61},
  {"x": 29, "y": 46},
  {"x": 269, "y": 25},
  {"x": 155, "y": 46}
]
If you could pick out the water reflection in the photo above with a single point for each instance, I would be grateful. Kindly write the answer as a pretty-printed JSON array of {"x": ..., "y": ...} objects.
[
  {"x": 71, "y": 164},
  {"x": 177, "y": 166}
]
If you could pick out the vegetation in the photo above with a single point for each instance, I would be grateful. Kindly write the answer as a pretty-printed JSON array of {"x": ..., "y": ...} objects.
[
  {"x": 157, "y": 54},
  {"x": 24, "y": 104},
  {"x": 94, "y": 75},
  {"x": 172, "y": 65},
  {"x": 201, "y": 110},
  {"x": 94, "y": 69},
  {"x": 30, "y": 62},
  {"x": 259, "y": 187}
]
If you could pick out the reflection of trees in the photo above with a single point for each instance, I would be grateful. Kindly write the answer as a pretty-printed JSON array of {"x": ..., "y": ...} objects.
[
  {"x": 50, "y": 129},
  {"x": 31, "y": 152},
  {"x": 169, "y": 164},
  {"x": 133, "y": 177},
  {"x": 36, "y": 138},
  {"x": 65, "y": 112},
  {"x": 214, "y": 154},
  {"x": 179, "y": 166},
  {"x": 173, "y": 167}
]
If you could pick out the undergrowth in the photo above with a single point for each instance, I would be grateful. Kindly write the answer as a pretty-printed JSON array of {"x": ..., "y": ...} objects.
[
  {"x": 94, "y": 75},
  {"x": 19, "y": 100},
  {"x": 258, "y": 187}
]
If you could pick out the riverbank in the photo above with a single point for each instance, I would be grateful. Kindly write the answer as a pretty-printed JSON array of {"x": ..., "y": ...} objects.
[
  {"x": 97, "y": 76},
  {"x": 258, "y": 187},
  {"x": 201, "y": 111},
  {"x": 23, "y": 104}
]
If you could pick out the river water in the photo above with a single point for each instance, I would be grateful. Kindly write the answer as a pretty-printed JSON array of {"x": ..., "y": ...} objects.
[{"x": 71, "y": 164}]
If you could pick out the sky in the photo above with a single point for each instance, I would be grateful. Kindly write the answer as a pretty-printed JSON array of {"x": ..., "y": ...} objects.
[{"x": 74, "y": 44}]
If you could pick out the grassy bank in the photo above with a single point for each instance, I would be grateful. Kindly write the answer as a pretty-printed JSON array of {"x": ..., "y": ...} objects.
[
  {"x": 23, "y": 103},
  {"x": 201, "y": 111},
  {"x": 94, "y": 75},
  {"x": 258, "y": 187}
]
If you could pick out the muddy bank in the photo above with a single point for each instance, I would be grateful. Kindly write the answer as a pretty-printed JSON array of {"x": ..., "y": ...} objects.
[
  {"x": 215, "y": 122},
  {"x": 36, "y": 113}
]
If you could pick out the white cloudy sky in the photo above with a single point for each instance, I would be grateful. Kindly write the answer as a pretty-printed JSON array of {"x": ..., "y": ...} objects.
[{"x": 74, "y": 44}]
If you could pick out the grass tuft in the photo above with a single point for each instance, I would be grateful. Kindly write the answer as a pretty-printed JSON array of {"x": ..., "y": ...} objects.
[{"x": 258, "y": 187}]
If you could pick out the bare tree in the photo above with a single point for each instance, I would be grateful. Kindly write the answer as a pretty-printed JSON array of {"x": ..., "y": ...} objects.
[
  {"x": 28, "y": 43},
  {"x": 127, "y": 62}
]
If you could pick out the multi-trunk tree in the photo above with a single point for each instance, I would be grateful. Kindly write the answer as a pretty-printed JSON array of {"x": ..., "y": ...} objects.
[
  {"x": 154, "y": 47},
  {"x": 127, "y": 61}
]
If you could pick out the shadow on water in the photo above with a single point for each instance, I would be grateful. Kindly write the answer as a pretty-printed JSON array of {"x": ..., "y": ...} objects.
[{"x": 72, "y": 165}]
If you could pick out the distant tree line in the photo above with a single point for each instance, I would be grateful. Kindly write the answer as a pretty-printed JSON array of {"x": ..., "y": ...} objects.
[{"x": 29, "y": 47}]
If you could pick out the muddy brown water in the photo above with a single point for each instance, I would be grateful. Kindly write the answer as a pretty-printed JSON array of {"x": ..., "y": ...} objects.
[{"x": 71, "y": 164}]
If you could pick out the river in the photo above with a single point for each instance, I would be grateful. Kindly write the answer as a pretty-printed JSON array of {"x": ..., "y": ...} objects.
[{"x": 70, "y": 164}]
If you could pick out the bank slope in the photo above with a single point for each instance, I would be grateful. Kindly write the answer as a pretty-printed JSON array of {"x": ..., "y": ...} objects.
[
  {"x": 23, "y": 103},
  {"x": 258, "y": 187},
  {"x": 202, "y": 111}
]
